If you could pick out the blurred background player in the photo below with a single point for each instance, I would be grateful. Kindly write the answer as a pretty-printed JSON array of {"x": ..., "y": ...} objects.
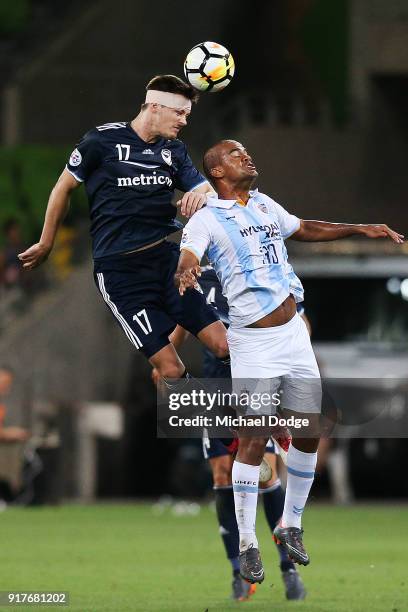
[
  {"x": 10, "y": 435},
  {"x": 130, "y": 171}
]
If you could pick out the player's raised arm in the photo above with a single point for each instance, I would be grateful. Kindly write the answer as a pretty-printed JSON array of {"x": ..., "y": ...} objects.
[
  {"x": 57, "y": 208},
  {"x": 322, "y": 231}
]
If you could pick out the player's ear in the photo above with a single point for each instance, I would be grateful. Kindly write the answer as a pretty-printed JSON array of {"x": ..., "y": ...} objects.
[{"x": 217, "y": 172}]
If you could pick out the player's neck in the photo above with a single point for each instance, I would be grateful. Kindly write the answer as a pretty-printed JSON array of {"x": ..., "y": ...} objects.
[
  {"x": 144, "y": 129},
  {"x": 240, "y": 194}
]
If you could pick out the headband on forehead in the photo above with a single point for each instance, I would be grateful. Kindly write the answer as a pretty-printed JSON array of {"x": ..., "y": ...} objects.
[{"x": 153, "y": 96}]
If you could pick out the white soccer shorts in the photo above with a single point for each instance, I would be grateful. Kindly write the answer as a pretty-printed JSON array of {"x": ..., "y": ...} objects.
[{"x": 276, "y": 360}]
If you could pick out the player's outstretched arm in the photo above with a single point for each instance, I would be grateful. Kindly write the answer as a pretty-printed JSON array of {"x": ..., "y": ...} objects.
[
  {"x": 194, "y": 200},
  {"x": 188, "y": 270},
  {"x": 57, "y": 208},
  {"x": 322, "y": 231}
]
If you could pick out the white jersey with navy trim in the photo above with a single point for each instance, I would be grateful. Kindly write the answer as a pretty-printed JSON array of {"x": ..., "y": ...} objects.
[{"x": 245, "y": 245}]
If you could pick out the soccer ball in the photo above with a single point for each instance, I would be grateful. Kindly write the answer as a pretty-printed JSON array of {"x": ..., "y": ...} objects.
[
  {"x": 209, "y": 67},
  {"x": 265, "y": 471}
]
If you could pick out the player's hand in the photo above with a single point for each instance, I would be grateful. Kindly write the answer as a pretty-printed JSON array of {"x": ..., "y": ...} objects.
[
  {"x": 34, "y": 256},
  {"x": 381, "y": 231},
  {"x": 191, "y": 202},
  {"x": 188, "y": 279},
  {"x": 159, "y": 383},
  {"x": 156, "y": 378}
]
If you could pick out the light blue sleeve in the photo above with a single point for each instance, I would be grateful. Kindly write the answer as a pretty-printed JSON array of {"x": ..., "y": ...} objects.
[
  {"x": 289, "y": 224},
  {"x": 196, "y": 235}
]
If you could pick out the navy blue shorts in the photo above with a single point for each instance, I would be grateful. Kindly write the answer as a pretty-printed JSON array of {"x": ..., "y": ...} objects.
[
  {"x": 214, "y": 447},
  {"x": 139, "y": 290},
  {"x": 214, "y": 367}
]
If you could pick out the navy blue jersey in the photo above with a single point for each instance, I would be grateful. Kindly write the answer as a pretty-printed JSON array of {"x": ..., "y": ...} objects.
[
  {"x": 212, "y": 290},
  {"x": 130, "y": 186}
]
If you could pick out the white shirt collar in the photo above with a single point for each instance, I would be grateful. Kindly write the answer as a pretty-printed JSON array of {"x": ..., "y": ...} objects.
[{"x": 216, "y": 202}]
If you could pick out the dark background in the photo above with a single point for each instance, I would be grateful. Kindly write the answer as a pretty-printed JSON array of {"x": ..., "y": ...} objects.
[{"x": 319, "y": 99}]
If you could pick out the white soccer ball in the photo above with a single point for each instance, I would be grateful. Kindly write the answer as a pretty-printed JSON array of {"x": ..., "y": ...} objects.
[
  {"x": 209, "y": 67},
  {"x": 265, "y": 471}
]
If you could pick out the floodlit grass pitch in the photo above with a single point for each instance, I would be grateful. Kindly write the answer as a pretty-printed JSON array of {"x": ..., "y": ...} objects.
[{"x": 119, "y": 558}]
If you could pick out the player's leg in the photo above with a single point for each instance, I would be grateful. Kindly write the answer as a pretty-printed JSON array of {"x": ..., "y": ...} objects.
[
  {"x": 168, "y": 363},
  {"x": 219, "y": 453},
  {"x": 214, "y": 337},
  {"x": 273, "y": 498},
  {"x": 221, "y": 467},
  {"x": 192, "y": 312},
  {"x": 133, "y": 288},
  {"x": 246, "y": 352},
  {"x": 302, "y": 393},
  {"x": 301, "y": 466},
  {"x": 245, "y": 482},
  {"x": 220, "y": 461}
]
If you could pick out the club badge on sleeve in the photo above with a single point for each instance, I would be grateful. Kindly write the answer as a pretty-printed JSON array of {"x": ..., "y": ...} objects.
[{"x": 75, "y": 158}]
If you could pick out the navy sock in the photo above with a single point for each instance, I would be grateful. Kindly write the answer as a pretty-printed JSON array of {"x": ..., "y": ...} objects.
[
  {"x": 224, "y": 504},
  {"x": 274, "y": 499}
]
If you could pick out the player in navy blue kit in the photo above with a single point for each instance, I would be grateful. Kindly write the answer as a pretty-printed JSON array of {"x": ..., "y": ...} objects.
[
  {"x": 220, "y": 459},
  {"x": 130, "y": 172}
]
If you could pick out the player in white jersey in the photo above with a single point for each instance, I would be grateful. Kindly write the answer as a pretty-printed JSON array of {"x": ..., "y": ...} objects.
[{"x": 242, "y": 232}]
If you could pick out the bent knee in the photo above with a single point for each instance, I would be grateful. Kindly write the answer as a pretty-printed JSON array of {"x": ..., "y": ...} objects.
[
  {"x": 220, "y": 348},
  {"x": 171, "y": 370}
]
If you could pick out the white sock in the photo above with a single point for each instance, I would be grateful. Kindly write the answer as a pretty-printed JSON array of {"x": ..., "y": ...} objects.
[
  {"x": 245, "y": 480},
  {"x": 301, "y": 469}
]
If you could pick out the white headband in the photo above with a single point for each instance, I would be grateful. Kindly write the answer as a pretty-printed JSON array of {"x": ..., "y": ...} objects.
[{"x": 153, "y": 96}]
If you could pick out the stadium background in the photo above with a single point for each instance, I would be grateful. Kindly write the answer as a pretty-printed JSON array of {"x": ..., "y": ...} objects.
[{"x": 319, "y": 99}]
